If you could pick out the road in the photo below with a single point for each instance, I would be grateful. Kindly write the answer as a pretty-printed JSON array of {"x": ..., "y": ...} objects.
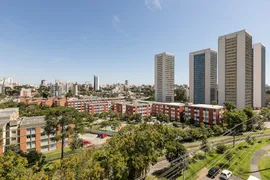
[{"x": 254, "y": 164}]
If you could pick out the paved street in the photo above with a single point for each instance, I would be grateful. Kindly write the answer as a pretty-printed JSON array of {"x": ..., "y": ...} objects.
[{"x": 254, "y": 167}]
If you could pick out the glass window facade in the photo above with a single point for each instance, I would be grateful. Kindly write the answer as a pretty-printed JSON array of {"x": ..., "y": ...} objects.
[{"x": 199, "y": 78}]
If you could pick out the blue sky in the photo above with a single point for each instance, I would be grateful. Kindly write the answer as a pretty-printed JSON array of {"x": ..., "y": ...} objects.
[{"x": 117, "y": 39}]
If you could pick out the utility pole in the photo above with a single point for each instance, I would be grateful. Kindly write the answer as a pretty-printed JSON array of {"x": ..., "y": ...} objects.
[{"x": 234, "y": 133}]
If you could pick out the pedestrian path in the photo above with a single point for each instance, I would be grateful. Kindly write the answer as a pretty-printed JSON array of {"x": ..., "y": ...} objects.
[{"x": 254, "y": 163}]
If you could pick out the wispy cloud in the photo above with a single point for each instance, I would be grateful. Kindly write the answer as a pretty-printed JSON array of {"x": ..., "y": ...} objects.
[
  {"x": 116, "y": 23},
  {"x": 150, "y": 4},
  {"x": 11, "y": 23}
]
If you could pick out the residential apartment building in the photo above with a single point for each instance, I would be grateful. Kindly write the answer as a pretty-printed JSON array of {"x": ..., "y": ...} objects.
[
  {"x": 119, "y": 107},
  {"x": 164, "y": 77},
  {"x": 26, "y": 132},
  {"x": 174, "y": 110},
  {"x": 45, "y": 101},
  {"x": 203, "y": 76},
  {"x": 96, "y": 83},
  {"x": 98, "y": 108},
  {"x": 258, "y": 75},
  {"x": 79, "y": 104},
  {"x": 32, "y": 136},
  {"x": 235, "y": 69},
  {"x": 138, "y": 108},
  {"x": 204, "y": 113},
  {"x": 26, "y": 92}
]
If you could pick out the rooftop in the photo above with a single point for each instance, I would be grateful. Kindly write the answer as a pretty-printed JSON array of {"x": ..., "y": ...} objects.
[
  {"x": 208, "y": 106},
  {"x": 203, "y": 50},
  {"x": 7, "y": 112},
  {"x": 33, "y": 120},
  {"x": 237, "y": 32}
]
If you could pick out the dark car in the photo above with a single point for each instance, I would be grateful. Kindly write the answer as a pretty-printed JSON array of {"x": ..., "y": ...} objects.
[{"x": 213, "y": 172}]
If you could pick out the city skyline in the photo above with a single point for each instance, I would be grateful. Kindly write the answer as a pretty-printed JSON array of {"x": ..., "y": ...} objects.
[{"x": 47, "y": 45}]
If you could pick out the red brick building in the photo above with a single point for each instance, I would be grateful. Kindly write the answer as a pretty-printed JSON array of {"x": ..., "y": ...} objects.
[
  {"x": 94, "y": 108},
  {"x": 138, "y": 108},
  {"x": 119, "y": 107},
  {"x": 45, "y": 101},
  {"x": 80, "y": 103},
  {"x": 204, "y": 113},
  {"x": 174, "y": 110}
]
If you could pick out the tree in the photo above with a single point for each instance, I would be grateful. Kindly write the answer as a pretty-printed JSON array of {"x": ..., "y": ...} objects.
[
  {"x": 76, "y": 142},
  {"x": 214, "y": 102},
  {"x": 249, "y": 112},
  {"x": 205, "y": 146},
  {"x": 250, "y": 140},
  {"x": 229, "y": 106},
  {"x": 69, "y": 94},
  {"x": 229, "y": 156},
  {"x": 137, "y": 118},
  {"x": 174, "y": 150},
  {"x": 57, "y": 124},
  {"x": 105, "y": 124},
  {"x": 34, "y": 157},
  {"x": 218, "y": 130},
  {"x": 235, "y": 117},
  {"x": 221, "y": 148},
  {"x": 14, "y": 166},
  {"x": 115, "y": 124},
  {"x": 181, "y": 95}
]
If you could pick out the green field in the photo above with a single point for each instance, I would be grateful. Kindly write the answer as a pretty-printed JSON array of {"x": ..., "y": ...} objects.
[
  {"x": 264, "y": 166},
  {"x": 239, "y": 164},
  {"x": 56, "y": 154}
]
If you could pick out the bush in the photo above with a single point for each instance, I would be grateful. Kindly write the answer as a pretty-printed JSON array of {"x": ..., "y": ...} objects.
[
  {"x": 260, "y": 141},
  {"x": 221, "y": 148},
  {"x": 223, "y": 165},
  {"x": 176, "y": 124},
  {"x": 199, "y": 156}
]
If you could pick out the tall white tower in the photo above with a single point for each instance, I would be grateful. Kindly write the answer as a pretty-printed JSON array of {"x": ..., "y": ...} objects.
[
  {"x": 164, "y": 77},
  {"x": 258, "y": 75},
  {"x": 235, "y": 69},
  {"x": 96, "y": 83}
]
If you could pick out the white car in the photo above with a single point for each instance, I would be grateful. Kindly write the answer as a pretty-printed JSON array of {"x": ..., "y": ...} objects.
[{"x": 225, "y": 174}]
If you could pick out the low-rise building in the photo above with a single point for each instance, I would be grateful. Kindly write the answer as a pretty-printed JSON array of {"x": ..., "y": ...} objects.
[
  {"x": 45, "y": 101},
  {"x": 26, "y": 92},
  {"x": 119, "y": 107},
  {"x": 204, "y": 113},
  {"x": 96, "y": 108},
  {"x": 174, "y": 110},
  {"x": 26, "y": 132},
  {"x": 78, "y": 104},
  {"x": 138, "y": 108},
  {"x": 33, "y": 137}
]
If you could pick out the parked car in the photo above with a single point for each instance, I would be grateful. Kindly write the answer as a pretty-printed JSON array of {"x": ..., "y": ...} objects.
[
  {"x": 225, "y": 174},
  {"x": 213, "y": 172}
]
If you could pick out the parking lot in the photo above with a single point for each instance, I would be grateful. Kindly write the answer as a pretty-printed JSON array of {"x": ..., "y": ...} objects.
[
  {"x": 94, "y": 139},
  {"x": 203, "y": 176}
]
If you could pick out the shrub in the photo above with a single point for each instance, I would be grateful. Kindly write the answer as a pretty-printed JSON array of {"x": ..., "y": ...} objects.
[
  {"x": 223, "y": 165},
  {"x": 199, "y": 156},
  {"x": 260, "y": 141},
  {"x": 221, "y": 148}
]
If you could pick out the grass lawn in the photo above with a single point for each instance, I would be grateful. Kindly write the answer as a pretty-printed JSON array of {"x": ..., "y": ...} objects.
[
  {"x": 239, "y": 164},
  {"x": 264, "y": 164},
  {"x": 56, "y": 154}
]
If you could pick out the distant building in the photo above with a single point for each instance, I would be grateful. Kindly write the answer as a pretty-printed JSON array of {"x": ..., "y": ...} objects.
[
  {"x": 258, "y": 75},
  {"x": 43, "y": 83},
  {"x": 26, "y": 92},
  {"x": 164, "y": 77},
  {"x": 97, "y": 108},
  {"x": 96, "y": 83},
  {"x": 75, "y": 91},
  {"x": 126, "y": 82},
  {"x": 235, "y": 69},
  {"x": 203, "y": 76}
]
